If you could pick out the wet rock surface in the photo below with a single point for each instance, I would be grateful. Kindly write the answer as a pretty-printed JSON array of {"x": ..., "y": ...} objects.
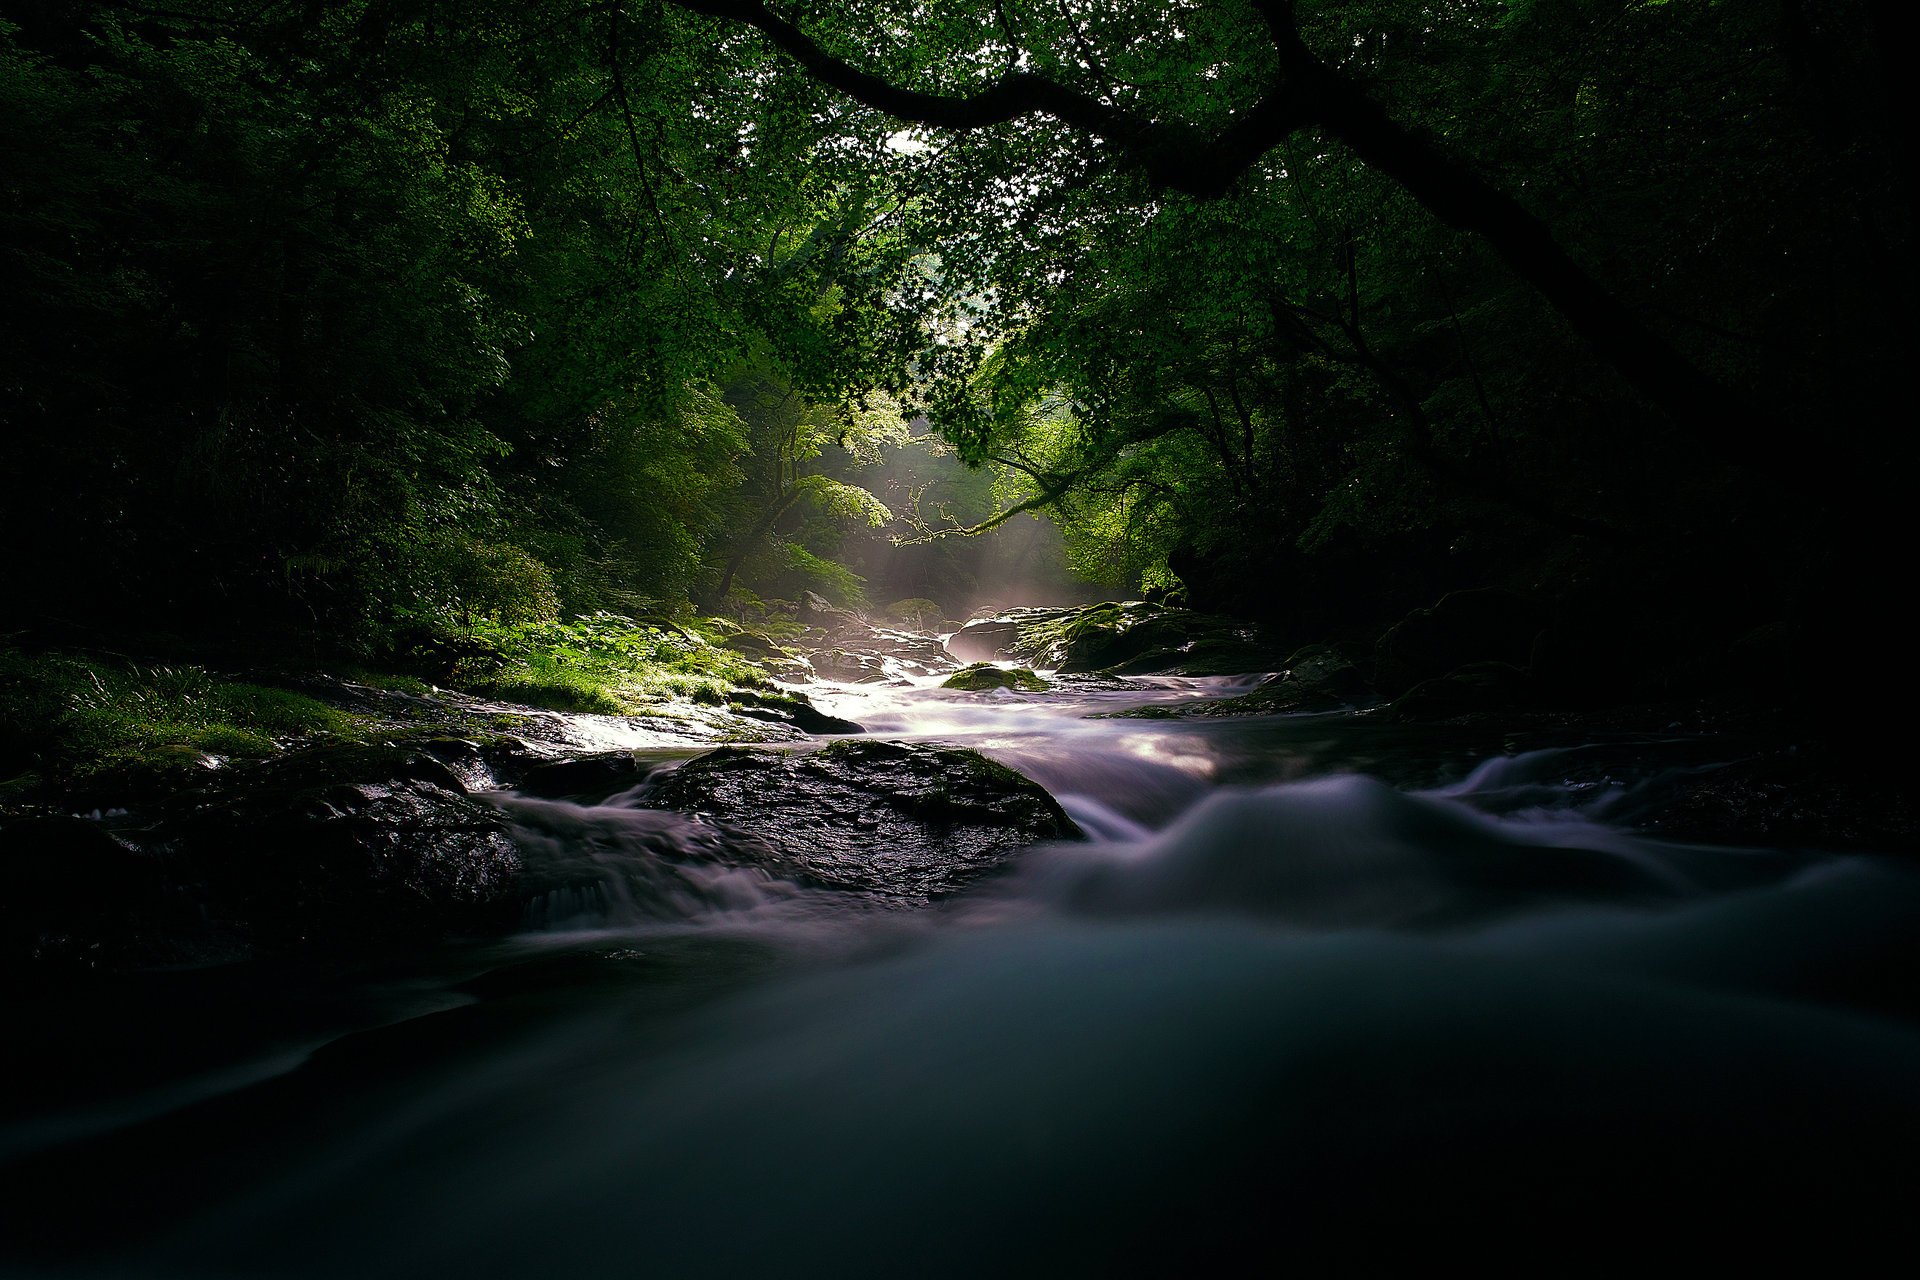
[
  {"x": 788, "y": 709},
  {"x": 595, "y": 776},
  {"x": 352, "y": 846},
  {"x": 1794, "y": 798},
  {"x": 871, "y": 655},
  {"x": 1133, "y": 637},
  {"x": 993, "y": 638},
  {"x": 1316, "y": 679},
  {"x": 903, "y": 824},
  {"x": 332, "y": 847},
  {"x": 519, "y": 734}
]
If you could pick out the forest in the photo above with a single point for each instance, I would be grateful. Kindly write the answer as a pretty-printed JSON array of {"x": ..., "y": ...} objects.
[
  {"x": 340, "y": 325},
  {"x": 1300, "y": 449}
]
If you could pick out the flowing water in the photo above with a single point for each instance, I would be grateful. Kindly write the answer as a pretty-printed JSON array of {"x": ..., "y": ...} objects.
[{"x": 1317, "y": 994}]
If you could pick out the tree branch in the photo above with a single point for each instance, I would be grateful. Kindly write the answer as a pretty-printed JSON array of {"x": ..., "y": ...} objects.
[
  {"x": 1173, "y": 156},
  {"x": 927, "y": 533},
  {"x": 1311, "y": 92}
]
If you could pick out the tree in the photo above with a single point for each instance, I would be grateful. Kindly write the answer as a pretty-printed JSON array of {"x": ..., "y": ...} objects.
[{"x": 1225, "y": 89}]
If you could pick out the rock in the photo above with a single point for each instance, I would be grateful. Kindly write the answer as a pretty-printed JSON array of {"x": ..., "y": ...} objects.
[
  {"x": 480, "y": 763},
  {"x": 902, "y": 824},
  {"x": 880, "y": 654},
  {"x": 345, "y": 845},
  {"x": 817, "y": 611},
  {"x": 984, "y": 641},
  {"x": 1478, "y": 686},
  {"x": 142, "y": 779},
  {"x": 1175, "y": 596},
  {"x": 329, "y": 847},
  {"x": 1464, "y": 627},
  {"x": 912, "y": 652},
  {"x": 598, "y": 776},
  {"x": 792, "y": 709},
  {"x": 1330, "y": 670},
  {"x": 1317, "y": 678},
  {"x": 753, "y": 645},
  {"x": 1130, "y": 638},
  {"x": 1792, "y": 798},
  {"x": 982, "y": 677},
  {"x": 849, "y": 667},
  {"x": 915, "y": 612}
]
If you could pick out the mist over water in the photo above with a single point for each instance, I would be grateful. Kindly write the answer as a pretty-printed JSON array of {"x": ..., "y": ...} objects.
[{"x": 1316, "y": 993}]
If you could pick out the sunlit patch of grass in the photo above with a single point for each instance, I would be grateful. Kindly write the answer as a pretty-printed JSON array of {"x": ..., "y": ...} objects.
[
  {"x": 605, "y": 663},
  {"x": 74, "y": 715},
  {"x": 388, "y": 682},
  {"x": 558, "y": 690}
]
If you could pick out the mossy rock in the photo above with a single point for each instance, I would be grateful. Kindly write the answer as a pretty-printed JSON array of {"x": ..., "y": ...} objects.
[
  {"x": 1130, "y": 637},
  {"x": 983, "y": 677},
  {"x": 594, "y": 777},
  {"x": 791, "y": 709},
  {"x": 902, "y": 824},
  {"x": 752, "y": 645},
  {"x": 346, "y": 847},
  {"x": 916, "y": 612}
]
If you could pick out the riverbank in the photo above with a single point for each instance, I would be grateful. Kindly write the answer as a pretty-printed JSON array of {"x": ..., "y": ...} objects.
[{"x": 173, "y": 814}]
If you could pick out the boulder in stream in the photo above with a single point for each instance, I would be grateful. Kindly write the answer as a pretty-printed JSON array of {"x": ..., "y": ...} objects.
[
  {"x": 983, "y": 677},
  {"x": 903, "y": 824},
  {"x": 343, "y": 846},
  {"x": 1134, "y": 637},
  {"x": 1316, "y": 679}
]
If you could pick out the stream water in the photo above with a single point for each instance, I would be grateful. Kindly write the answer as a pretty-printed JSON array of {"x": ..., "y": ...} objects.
[{"x": 1317, "y": 993}]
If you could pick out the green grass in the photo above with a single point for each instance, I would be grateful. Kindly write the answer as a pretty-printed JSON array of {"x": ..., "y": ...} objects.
[
  {"x": 71, "y": 716},
  {"x": 387, "y": 681},
  {"x": 605, "y": 663}
]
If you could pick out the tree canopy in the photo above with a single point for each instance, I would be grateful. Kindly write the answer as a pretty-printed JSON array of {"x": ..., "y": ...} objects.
[{"x": 372, "y": 310}]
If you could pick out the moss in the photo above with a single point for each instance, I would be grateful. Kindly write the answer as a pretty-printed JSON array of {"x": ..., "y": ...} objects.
[
  {"x": 388, "y": 682},
  {"x": 994, "y": 771},
  {"x": 916, "y": 612},
  {"x": 983, "y": 676},
  {"x": 228, "y": 740}
]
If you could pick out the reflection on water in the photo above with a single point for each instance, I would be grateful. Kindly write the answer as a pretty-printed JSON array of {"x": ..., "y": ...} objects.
[{"x": 1317, "y": 994}]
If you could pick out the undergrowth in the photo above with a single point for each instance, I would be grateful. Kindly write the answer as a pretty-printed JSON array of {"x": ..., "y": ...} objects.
[
  {"x": 73, "y": 716},
  {"x": 605, "y": 662}
]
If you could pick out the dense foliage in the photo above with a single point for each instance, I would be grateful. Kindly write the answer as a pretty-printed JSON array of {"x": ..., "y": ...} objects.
[
  {"x": 395, "y": 317},
  {"x": 364, "y": 319}
]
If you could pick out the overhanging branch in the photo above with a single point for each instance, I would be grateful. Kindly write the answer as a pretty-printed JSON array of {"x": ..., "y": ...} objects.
[
  {"x": 1173, "y": 156},
  {"x": 1309, "y": 92}
]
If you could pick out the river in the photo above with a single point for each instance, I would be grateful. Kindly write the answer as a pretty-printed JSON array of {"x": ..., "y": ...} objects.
[{"x": 1318, "y": 994}]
